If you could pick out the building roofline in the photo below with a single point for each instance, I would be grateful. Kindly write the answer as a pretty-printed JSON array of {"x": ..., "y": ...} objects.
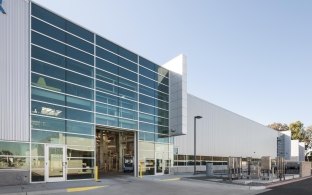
[{"x": 231, "y": 111}]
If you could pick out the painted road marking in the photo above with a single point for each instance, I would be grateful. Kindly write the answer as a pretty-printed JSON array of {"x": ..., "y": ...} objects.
[
  {"x": 80, "y": 189},
  {"x": 171, "y": 179}
]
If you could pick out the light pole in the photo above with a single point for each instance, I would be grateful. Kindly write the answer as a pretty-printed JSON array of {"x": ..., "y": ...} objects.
[{"x": 195, "y": 117}]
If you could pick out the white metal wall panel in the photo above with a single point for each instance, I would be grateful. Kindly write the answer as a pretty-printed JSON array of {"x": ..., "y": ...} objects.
[
  {"x": 224, "y": 133},
  {"x": 14, "y": 71},
  {"x": 177, "y": 95}
]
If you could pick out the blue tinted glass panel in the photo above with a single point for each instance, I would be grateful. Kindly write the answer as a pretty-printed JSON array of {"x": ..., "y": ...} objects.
[
  {"x": 163, "y": 88},
  {"x": 147, "y": 100},
  {"x": 162, "y": 130},
  {"x": 79, "y": 43},
  {"x": 128, "y": 114},
  {"x": 47, "y": 69},
  {"x": 79, "y": 67},
  {"x": 47, "y": 16},
  {"x": 106, "y": 87},
  {"x": 102, "y": 64},
  {"x": 107, "y": 109},
  {"x": 162, "y": 96},
  {"x": 147, "y": 136},
  {"x": 161, "y": 121},
  {"x": 47, "y": 137},
  {"x": 47, "y": 96},
  {"x": 106, "y": 120},
  {"x": 47, "y": 56},
  {"x": 106, "y": 55},
  {"x": 106, "y": 44},
  {"x": 48, "y": 43},
  {"x": 128, "y": 94},
  {"x": 161, "y": 138},
  {"x": 79, "y": 31},
  {"x": 77, "y": 127},
  {"x": 146, "y": 63},
  {"x": 79, "y": 115},
  {"x": 127, "y": 74},
  {"x": 107, "y": 77},
  {"x": 128, "y": 65},
  {"x": 128, "y": 124},
  {"x": 79, "y": 55},
  {"x": 47, "y": 109},
  {"x": 147, "y": 109},
  {"x": 61, "y": 23},
  {"x": 147, "y": 82},
  {"x": 106, "y": 98},
  {"x": 146, "y": 118},
  {"x": 79, "y": 79},
  {"x": 46, "y": 123},
  {"x": 123, "y": 103},
  {"x": 163, "y": 113},
  {"x": 47, "y": 83},
  {"x": 79, "y": 91},
  {"x": 79, "y": 103},
  {"x": 61, "y": 48},
  {"x": 147, "y": 73},
  {"x": 147, "y": 91},
  {"x": 128, "y": 54},
  {"x": 47, "y": 29},
  {"x": 163, "y": 80},
  {"x": 128, "y": 84},
  {"x": 147, "y": 127},
  {"x": 163, "y": 105}
]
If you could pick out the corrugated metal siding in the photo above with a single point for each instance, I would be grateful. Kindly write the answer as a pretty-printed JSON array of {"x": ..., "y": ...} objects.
[
  {"x": 224, "y": 133},
  {"x": 14, "y": 71}
]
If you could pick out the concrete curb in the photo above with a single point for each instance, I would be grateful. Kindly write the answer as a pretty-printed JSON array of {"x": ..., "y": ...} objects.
[{"x": 38, "y": 192}]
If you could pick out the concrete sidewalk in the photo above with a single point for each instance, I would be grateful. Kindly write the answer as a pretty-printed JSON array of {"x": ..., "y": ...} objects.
[
  {"x": 60, "y": 187},
  {"x": 84, "y": 185}
]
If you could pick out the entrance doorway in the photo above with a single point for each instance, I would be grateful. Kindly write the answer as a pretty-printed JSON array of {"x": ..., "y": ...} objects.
[
  {"x": 115, "y": 152},
  {"x": 55, "y": 162}
]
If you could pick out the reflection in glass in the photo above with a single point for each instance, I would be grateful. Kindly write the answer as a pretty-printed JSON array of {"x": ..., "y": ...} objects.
[
  {"x": 14, "y": 163},
  {"x": 55, "y": 162},
  {"x": 47, "y": 137},
  {"x": 37, "y": 150},
  {"x": 14, "y": 148},
  {"x": 47, "y": 109}
]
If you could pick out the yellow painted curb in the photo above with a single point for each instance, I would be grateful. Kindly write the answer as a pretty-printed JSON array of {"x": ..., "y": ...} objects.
[
  {"x": 172, "y": 179},
  {"x": 80, "y": 189}
]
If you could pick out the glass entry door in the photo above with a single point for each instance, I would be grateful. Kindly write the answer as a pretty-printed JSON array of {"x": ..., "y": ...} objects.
[
  {"x": 159, "y": 164},
  {"x": 55, "y": 163}
]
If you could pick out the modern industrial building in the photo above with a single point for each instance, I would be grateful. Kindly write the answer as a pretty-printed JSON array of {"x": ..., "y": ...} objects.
[
  {"x": 72, "y": 100},
  {"x": 220, "y": 134}
]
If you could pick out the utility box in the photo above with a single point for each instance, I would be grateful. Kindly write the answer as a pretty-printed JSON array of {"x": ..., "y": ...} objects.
[
  {"x": 265, "y": 163},
  {"x": 209, "y": 169},
  {"x": 305, "y": 169}
]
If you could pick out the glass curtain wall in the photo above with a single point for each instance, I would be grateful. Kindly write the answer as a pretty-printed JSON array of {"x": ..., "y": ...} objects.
[{"x": 80, "y": 80}]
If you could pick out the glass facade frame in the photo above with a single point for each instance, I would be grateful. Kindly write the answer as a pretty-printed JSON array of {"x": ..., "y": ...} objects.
[{"x": 80, "y": 80}]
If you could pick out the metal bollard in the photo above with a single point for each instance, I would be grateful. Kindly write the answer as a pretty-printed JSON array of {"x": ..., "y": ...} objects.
[{"x": 96, "y": 174}]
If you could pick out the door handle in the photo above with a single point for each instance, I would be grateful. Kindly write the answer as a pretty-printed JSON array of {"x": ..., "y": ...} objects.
[{"x": 64, "y": 163}]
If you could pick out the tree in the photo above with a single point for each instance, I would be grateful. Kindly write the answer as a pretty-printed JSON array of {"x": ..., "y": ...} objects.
[
  {"x": 297, "y": 131},
  {"x": 308, "y": 143},
  {"x": 279, "y": 126}
]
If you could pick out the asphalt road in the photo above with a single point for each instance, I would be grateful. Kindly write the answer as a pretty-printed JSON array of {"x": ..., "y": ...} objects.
[{"x": 303, "y": 187}]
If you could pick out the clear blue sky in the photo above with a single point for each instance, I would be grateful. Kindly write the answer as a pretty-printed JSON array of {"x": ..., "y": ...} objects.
[{"x": 251, "y": 57}]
